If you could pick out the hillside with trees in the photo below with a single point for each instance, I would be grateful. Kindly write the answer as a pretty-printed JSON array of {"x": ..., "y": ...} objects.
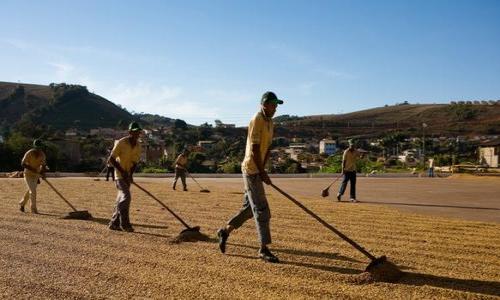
[
  {"x": 32, "y": 108},
  {"x": 458, "y": 118}
]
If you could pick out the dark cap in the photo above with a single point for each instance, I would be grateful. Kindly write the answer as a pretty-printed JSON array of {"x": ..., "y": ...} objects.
[
  {"x": 37, "y": 143},
  {"x": 134, "y": 126},
  {"x": 270, "y": 97}
]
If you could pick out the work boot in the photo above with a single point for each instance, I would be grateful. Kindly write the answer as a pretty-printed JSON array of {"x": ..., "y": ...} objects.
[
  {"x": 222, "y": 235},
  {"x": 266, "y": 255},
  {"x": 21, "y": 208},
  {"x": 185, "y": 189},
  {"x": 114, "y": 227},
  {"x": 338, "y": 197},
  {"x": 128, "y": 228}
]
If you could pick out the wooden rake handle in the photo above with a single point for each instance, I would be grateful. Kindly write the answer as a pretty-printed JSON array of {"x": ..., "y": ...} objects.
[
  {"x": 162, "y": 204},
  {"x": 324, "y": 223},
  {"x": 59, "y": 194},
  {"x": 335, "y": 180}
]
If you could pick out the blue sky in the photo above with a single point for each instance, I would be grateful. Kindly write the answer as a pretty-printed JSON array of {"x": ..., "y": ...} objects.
[{"x": 206, "y": 60}]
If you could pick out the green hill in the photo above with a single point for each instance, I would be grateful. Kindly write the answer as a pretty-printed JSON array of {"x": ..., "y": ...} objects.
[
  {"x": 475, "y": 118},
  {"x": 60, "y": 106}
]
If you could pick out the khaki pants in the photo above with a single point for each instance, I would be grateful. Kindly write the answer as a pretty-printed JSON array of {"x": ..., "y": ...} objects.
[
  {"x": 31, "y": 182},
  {"x": 254, "y": 205},
  {"x": 122, "y": 207}
]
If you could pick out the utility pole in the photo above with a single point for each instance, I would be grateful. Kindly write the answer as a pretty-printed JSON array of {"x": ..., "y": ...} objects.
[{"x": 423, "y": 142}]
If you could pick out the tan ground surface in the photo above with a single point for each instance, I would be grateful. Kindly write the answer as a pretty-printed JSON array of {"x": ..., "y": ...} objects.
[{"x": 42, "y": 256}]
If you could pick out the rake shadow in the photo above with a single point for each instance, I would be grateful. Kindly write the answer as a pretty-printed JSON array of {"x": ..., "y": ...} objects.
[
  {"x": 105, "y": 221},
  {"x": 153, "y": 234},
  {"x": 304, "y": 265},
  {"x": 323, "y": 267},
  {"x": 51, "y": 215},
  {"x": 466, "y": 285},
  {"x": 334, "y": 256}
]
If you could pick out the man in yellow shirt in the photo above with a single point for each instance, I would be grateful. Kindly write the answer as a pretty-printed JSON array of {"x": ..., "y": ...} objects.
[
  {"x": 124, "y": 157},
  {"x": 349, "y": 159},
  {"x": 259, "y": 138},
  {"x": 180, "y": 169},
  {"x": 34, "y": 164}
]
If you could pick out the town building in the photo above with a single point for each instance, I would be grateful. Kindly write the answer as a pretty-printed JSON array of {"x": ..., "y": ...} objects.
[
  {"x": 489, "y": 152},
  {"x": 327, "y": 146}
]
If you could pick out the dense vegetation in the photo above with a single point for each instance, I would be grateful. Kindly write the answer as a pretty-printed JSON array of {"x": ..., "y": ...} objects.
[{"x": 33, "y": 111}]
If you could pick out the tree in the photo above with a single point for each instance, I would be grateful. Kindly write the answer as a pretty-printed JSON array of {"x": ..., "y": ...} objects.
[{"x": 180, "y": 124}]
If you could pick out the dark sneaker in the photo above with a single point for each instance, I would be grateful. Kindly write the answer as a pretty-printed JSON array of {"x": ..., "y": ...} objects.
[
  {"x": 114, "y": 227},
  {"x": 128, "y": 229},
  {"x": 222, "y": 235},
  {"x": 185, "y": 189},
  {"x": 21, "y": 208},
  {"x": 338, "y": 197},
  {"x": 267, "y": 256}
]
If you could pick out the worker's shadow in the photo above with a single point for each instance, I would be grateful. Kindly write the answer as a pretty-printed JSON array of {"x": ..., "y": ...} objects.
[
  {"x": 464, "y": 285},
  {"x": 329, "y": 268},
  {"x": 335, "y": 269},
  {"x": 334, "y": 256},
  {"x": 105, "y": 221},
  {"x": 408, "y": 278}
]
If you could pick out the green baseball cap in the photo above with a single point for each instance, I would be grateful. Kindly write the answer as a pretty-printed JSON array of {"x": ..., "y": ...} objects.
[
  {"x": 134, "y": 126},
  {"x": 270, "y": 97}
]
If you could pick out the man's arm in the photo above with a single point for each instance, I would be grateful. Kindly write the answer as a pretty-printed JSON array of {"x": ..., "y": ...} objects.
[
  {"x": 132, "y": 171},
  {"x": 29, "y": 168},
  {"x": 115, "y": 164},
  {"x": 178, "y": 163},
  {"x": 343, "y": 162},
  {"x": 266, "y": 158},
  {"x": 259, "y": 163}
]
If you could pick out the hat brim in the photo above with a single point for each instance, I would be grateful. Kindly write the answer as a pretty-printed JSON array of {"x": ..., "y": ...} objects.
[
  {"x": 276, "y": 101},
  {"x": 135, "y": 129}
]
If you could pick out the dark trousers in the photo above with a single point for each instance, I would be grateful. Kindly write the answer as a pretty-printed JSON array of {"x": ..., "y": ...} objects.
[
  {"x": 182, "y": 174},
  {"x": 349, "y": 176},
  {"x": 111, "y": 171},
  {"x": 431, "y": 172},
  {"x": 122, "y": 207}
]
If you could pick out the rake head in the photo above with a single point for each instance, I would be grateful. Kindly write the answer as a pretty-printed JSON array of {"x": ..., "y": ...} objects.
[
  {"x": 383, "y": 270},
  {"x": 325, "y": 193},
  {"x": 78, "y": 215},
  {"x": 191, "y": 234}
]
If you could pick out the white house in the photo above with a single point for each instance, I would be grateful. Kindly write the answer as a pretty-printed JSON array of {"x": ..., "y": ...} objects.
[
  {"x": 327, "y": 146},
  {"x": 294, "y": 149},
  {"x": 489, "y": 152},
  {"x": 206, "y": 145}
]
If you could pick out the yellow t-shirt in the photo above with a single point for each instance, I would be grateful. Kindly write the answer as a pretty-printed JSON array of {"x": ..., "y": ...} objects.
[
  {"x": 350, "y": 158},
  {"x": 126, "y": 155},
  {"x": 260, "y": 131},
  {"x": 181, "y": 162},
  {"x": 35, "y": 159}
]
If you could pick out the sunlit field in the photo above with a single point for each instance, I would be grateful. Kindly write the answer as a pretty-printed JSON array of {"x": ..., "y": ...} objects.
[{"x": 442, "y": 256}]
